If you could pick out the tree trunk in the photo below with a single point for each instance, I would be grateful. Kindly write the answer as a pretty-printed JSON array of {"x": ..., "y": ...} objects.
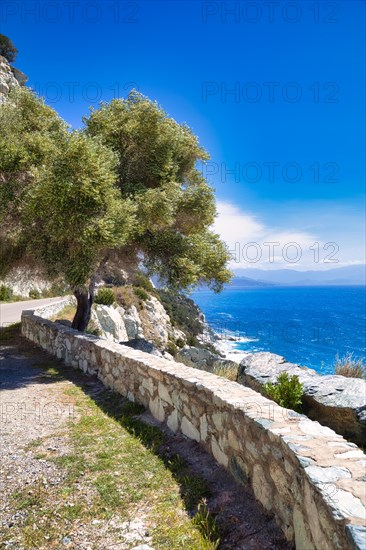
[{"x": 85, "y": 300}]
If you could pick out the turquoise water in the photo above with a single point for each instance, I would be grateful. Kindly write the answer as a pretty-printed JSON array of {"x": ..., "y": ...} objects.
[{"x": 307, "y": 325}]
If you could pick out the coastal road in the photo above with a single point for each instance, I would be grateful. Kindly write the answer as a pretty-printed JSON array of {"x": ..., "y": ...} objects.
[{"x": 12, "y": 312}]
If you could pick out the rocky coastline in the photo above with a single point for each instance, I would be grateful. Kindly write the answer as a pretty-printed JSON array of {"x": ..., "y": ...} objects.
[{"x": 335, "y": 401}]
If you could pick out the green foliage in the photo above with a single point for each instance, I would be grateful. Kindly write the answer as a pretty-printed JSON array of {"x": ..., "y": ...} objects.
[
  {"x": 125, "y": 188},
  {"x": 350, "y": 366},
  {"x": 172, "y": 348},
  {"x": 287, "y": 391},
  {"x": 87, "y": 216},
  {"x": 34, "y": 294},
  {"x": 93, "y": 328},
  {"x": 142, "y": 281},
  {"x": 105, "y": 297},
  {"x": 56, "y": 289},
  {"x": 153, "y": 149},
  {"x": 30, "y": 136},
  {"x": 7, "y": 48},
  {"x": 180, "y": 342},
  {"x": 6, "y": 293},
  {"x": 141, "y": 293},
  {"x": 156, "y": 159},
  {"x": 192, "y": 340},
  {"x": 206, "y": 524},
  {"x": 48, "y": 170},
  {"x": 183, "y": 312}
]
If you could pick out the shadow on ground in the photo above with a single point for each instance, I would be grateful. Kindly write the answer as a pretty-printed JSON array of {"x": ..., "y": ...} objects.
[{"x": 242, "y": 522}]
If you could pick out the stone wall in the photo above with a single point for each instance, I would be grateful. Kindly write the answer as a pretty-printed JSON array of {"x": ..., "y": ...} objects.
[
  {"x": 307, "y": 475},
  {"x": 335, "y": 401}
]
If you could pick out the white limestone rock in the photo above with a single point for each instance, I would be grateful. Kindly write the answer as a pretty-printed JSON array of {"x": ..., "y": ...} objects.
[
  {"x": 110, "y": 323},
  {"x": 10, "y": 78},
  {"x": 133, "y": 324}
]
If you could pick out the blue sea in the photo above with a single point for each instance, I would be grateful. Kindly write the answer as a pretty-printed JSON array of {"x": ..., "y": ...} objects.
[{"x": 306, "y": 325}]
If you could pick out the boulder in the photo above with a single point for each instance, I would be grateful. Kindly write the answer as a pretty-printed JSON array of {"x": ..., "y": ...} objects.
[
  {"x": 109, "y": 322},
  {"x": 157, "y": 324},
  {"x": 203, "y": 359},
  {"x": 143, "y": 345},
  {"x": 332, "y": 400},
  {"x": 20, "y": 77},
  {"x": 133, "y": 324}
]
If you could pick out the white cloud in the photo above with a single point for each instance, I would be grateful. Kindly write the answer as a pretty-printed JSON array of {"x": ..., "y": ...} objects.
[
  {"x": 233, "y": 224},
  {"x": 252, "y": 243}
]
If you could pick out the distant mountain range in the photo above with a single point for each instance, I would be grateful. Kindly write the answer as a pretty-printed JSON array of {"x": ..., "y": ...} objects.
[{"x": 252, "y": 277}]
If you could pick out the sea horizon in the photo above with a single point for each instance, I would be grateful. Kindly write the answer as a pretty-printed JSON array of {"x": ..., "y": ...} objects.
[{"x": 307, "y": 325}]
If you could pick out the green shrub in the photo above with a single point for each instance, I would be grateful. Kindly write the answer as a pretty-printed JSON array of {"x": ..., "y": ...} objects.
[
  {"x": 206, "y": 524},
  {"x": 93, "y": 328},
  {"x": 192, "y": 340},
  {"x": 56, "y": 289},
  {"x": 34, "y": 294},
  {"x": 183, "y": 312},
  {"x": 180, "y": 342},
  {"x": 349, "y": 366},
  {"x": 143, "y": 282},
  {"x": 141, "y": 293},
  {"x": 172, "y": 348},
  {"x": 105, "y": 297},
  {"x": 6, "y": 293},
  {"x": 7, "y": 48},
  {"x": 287, "y": 391}
]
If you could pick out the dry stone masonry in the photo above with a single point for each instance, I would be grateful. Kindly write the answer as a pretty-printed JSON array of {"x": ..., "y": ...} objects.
[
  {"x": 312, "y": 479},
  {"x": 335, "y": 401}
]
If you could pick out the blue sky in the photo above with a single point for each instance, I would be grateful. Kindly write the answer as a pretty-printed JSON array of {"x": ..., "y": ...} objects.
[{"x": 274, "y": 90}]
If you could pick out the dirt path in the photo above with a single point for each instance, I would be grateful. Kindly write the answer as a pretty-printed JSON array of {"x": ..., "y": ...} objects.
[{"x": 82, "y": 468}]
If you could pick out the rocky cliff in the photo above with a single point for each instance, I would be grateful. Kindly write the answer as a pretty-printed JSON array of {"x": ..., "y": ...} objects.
[
  {"x": 145, "y": 324},
  {"x": 10, "y": 78},
  {"x": 182, "y": 334}
]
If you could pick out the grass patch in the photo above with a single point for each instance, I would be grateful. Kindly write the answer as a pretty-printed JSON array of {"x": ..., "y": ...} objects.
[
  {"x": 207, "y": 525},
  {"x": 121, "y": 462},
  {"x": 350, "y": 367},
  {"x": 66, "y": 314},
  {"x": 10, "y": 333}
]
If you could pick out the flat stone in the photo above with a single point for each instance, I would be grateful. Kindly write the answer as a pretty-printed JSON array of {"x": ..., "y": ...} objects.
[
  {"x": 318, "y": 474},
  {"x": 189, "y": 430},
  {"x": 157, "y": 409},
  {"x": 218, "y": 453},
  {"x": 172, "y": 421},
  {"x": 356, "y": 534},
  {"x": 351, "y": 454},
  {"x": 239, "y": 470},
  {"x": 164, "y": 393},
  {"x": 347, "y": 505}
]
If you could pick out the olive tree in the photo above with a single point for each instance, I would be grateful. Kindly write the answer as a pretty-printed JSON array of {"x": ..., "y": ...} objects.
[
  {"x": 59, "y": 205},
  {"x": 7, "y": 48},
  {"x": 125, "y": 189},
  {"x": 175, "y": 207}
]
